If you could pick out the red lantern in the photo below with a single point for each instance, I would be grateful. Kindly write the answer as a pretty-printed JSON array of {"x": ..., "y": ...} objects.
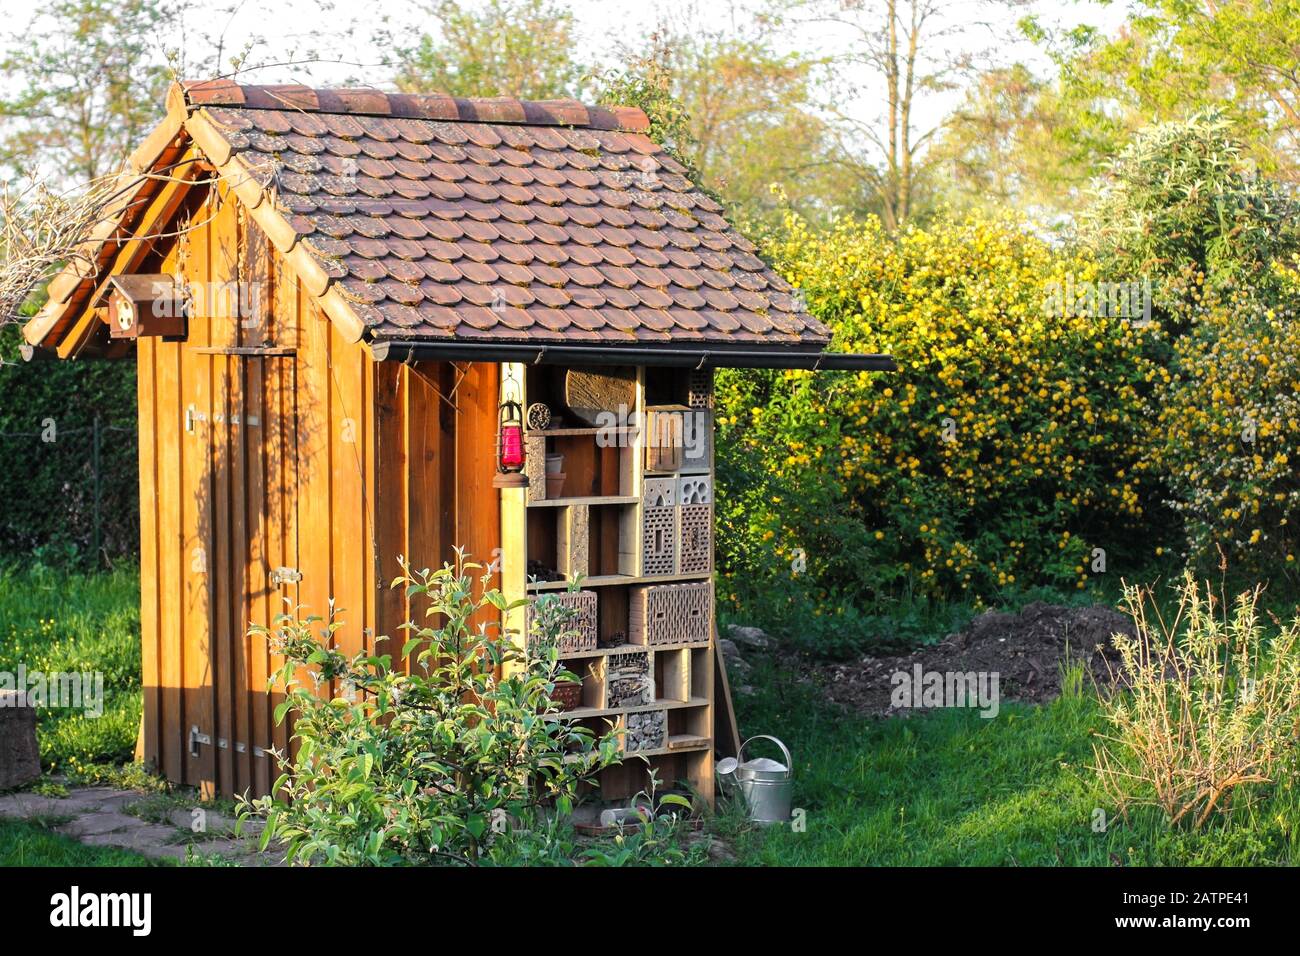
[
  {"x": 511, "y": 442},
  {"x": 510, "y": 434}
]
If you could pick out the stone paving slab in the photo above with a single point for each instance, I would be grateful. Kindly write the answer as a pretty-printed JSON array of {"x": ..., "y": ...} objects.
[
  {"x": 96, "y": 824},
  {"x": 98, "y": 817},
  {"x": 28, "y": 804}
]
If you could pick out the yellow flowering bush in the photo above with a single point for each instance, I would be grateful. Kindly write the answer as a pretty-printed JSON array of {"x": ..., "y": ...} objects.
[
  {"x": 1000, "y": 455},
  {"x": 1183, "y": 207},
  {"x": 1228, "y": 431}
]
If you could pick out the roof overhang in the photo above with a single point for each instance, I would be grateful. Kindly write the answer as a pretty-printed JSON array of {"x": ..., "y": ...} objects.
[
  {"x": 187, "y": 150},
  {"x": 680, "y": 356}
]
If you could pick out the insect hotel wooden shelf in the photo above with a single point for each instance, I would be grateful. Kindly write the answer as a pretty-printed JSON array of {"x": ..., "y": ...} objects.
[
  {"x": 339, "y": 302},
  {"x": 632, "y": 522}
]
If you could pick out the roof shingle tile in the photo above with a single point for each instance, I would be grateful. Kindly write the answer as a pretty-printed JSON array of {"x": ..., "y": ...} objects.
[{"x": 499, "y": 219}]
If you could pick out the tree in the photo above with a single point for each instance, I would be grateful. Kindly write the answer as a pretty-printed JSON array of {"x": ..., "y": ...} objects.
[
  {"x": 905, "y": 46},
  {"x": 1183, "y": 206},
  {"x": 520, "y": 48},
  {"x": 87, "y": 81},
  {"x": 1170, "y": 59},
  {"x": 999, "y": 148},
  {"x": 743, "y": 115}
]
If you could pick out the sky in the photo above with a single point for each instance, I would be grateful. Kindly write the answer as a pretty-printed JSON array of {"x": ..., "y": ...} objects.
[{"x": 293, "y": 28}]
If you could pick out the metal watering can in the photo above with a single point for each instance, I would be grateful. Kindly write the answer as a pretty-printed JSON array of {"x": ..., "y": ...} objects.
[{"x": 766, "y": 784}]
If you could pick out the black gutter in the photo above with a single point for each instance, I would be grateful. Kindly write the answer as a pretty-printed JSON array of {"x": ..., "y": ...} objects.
[{"x": 683, "y": 356}]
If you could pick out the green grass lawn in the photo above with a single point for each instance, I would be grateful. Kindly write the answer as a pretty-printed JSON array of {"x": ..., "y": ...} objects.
[
  {"x": 52, "y": 621},
  {"x": 945, "y": 788},
  {"x": 951, "y": 788},
  {"x": 33, "y": 843}
]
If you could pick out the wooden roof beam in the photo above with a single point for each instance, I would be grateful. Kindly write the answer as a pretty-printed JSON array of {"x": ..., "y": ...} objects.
[{"x": 156, "y": 218}]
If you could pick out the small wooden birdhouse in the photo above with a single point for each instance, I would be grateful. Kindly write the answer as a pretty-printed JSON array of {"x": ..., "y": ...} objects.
[{"x": 141, "y": 305}]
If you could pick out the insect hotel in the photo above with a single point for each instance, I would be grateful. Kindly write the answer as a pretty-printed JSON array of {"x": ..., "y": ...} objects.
[{"x": 368, "y": 325}]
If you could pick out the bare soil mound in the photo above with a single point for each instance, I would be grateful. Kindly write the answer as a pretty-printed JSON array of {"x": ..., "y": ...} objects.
[{"x": 1027, "y": 650}]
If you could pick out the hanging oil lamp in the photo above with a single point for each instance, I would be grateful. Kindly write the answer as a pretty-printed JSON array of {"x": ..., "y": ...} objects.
[{"x": 510, "y": 435}]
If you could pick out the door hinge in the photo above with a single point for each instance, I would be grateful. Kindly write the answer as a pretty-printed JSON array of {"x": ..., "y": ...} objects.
[
  {"x": 196, "y": 739},
  {"x": 286, "y": 576},
  {"x": 193, "y": 417}
]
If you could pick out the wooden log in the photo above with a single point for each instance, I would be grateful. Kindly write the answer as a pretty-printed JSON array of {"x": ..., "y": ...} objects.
[
  {"x": 589, "y": 392},
  {"x": 20, "y": 759},
  {"x": 573, "y": 537}
]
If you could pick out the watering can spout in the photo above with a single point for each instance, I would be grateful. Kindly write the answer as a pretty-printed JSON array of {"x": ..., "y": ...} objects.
[{"x": 726, "y": 770}]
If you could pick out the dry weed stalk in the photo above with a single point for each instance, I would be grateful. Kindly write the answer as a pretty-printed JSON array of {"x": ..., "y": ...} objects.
[
  {"x": 43, "y": 228},
  {"x": 1213, "y": 706}
]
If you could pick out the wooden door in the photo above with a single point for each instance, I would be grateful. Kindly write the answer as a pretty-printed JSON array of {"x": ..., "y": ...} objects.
[{"x": 254, "y": 562}]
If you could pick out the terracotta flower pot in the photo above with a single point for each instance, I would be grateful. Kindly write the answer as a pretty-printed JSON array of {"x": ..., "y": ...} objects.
[
  {"x": 567, "y": 695},
  {"x": 555, "y": 485}
]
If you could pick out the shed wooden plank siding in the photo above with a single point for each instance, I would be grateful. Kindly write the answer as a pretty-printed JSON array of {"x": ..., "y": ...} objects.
[{"x": 310, "y": 456}]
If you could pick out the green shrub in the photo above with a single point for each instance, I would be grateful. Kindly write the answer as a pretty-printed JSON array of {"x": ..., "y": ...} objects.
[
  {"x": 48, "y": 486},
  {"x": 451, "y": 750},
  {"x": 1227, "y": 423},
  {"x": 1183, "y": 207}
]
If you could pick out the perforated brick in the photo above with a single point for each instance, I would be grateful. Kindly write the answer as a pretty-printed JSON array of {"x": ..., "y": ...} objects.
[
  {"x": 699, "y": 388},
  {"x": 695, "y": 547},
  {"x": 581, "y": 630},
  {"x": 667, "y": 614},
  {"x": 658, "y": 540}
]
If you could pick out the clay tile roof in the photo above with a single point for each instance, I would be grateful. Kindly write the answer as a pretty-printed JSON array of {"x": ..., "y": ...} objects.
[{"x": 430, "y": 217}]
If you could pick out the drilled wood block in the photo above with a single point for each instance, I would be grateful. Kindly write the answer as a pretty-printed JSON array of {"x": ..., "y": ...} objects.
[
  {"x": 660, "y": 492},
  {"x": 574, "y": 540},
  {"x": 665, "y": 437},
  {"x": 694, "y": 490},
  {"x": 697, "y": 438},
  {"x": 535, "y": 467},
  {"x": 658, "y": 541},
  {"x": 695, "y": 546},
  {"x": 578, "y": 633},
  {"x": 593, "y": 394},
  {"x": 666, "y": 614}
]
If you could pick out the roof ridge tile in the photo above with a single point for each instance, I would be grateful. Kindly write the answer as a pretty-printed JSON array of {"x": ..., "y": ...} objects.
[{"x": 367, "y": 101}]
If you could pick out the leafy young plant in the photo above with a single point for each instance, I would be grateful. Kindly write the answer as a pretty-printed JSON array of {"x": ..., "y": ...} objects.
[
  {"x": 1212, "y": 708},
  {"x": 434, "y": 756},
  {"x": 650, "y": 836}
]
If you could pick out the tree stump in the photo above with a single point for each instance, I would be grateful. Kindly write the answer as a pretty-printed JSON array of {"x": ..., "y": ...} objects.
[{"x": 20, "y": 757}]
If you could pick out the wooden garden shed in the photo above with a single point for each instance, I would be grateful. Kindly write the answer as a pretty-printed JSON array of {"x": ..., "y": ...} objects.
[{"x": 332, "y": 298}]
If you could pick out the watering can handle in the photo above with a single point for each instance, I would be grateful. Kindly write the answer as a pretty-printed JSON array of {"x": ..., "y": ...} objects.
[{"x": 789, "y": 761}]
